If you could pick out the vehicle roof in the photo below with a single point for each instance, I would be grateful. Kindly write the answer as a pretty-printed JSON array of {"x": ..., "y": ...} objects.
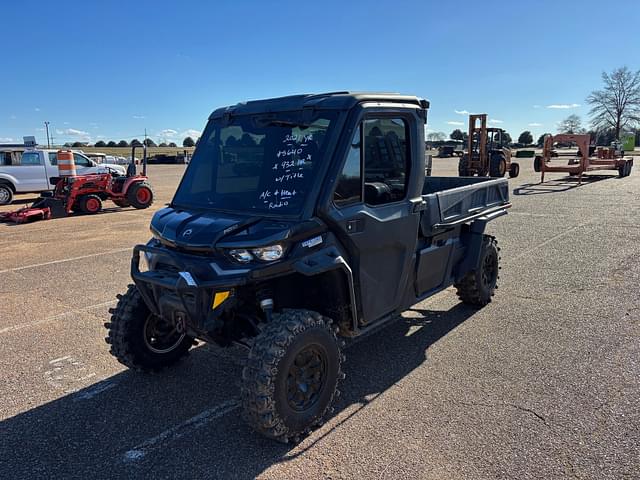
[{"x": 330, "y": 100}]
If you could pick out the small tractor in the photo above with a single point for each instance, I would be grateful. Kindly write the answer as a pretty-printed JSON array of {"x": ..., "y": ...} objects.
[
  {"x": 85, "y": 193},
  {"x": 487, "y": 154}
]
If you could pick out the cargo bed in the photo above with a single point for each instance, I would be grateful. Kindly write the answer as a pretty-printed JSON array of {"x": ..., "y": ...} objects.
[{"x": 452, "y": 201}]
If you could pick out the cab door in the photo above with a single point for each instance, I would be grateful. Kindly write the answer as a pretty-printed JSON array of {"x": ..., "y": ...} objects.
[
  {"x": 374, "y": 214},
  {"x": 31, "y": 173}
]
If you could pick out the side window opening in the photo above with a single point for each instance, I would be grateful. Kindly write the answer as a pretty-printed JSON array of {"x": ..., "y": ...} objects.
[
  {"x": 30, "y": 158},
  {"x": 349, "y": 185},
  {"x": 386, "y": 158}
]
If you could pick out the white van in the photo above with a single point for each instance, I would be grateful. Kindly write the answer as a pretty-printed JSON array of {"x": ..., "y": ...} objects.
[{"x": 31, "y": 171}]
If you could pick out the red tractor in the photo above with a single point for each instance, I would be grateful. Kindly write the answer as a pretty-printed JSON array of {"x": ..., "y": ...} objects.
[{"x": 85, "y": 193}]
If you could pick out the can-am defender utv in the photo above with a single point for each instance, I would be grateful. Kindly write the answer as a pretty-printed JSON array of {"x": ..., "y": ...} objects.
[{"x": 300, "y": 222}]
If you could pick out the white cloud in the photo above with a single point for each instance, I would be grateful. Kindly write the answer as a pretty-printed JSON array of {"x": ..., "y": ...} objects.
[
  {"x": 139, "y": 117},
  {"x": 65, "y": 123},
  {"x": 495, "y": 121},
  {"x": 461, "y": 112},
  {"x": 6, "y": 140},
  {"x": 455, "y": 123},
  {"x": 537, "y": 106},
  {"x": 13, "y": 117},
  {"x": 191, "y": 133},
  {"x": 167, "y": 133},
  {"x": 73, "y": 132},
  {"x": 535, "y": 124},
  {"x": 564, "y": 106},
  {"x": 37, "y": 109}
]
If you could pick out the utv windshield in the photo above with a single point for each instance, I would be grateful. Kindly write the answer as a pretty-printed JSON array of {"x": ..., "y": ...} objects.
[{"x": 260, "y": 164}]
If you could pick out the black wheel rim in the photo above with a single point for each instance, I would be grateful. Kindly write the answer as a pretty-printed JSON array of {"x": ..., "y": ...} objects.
[
  {"x": 306, "y": 378},
  {"x": 489, "y": 269},
  {"x": 161, "y": 336}
]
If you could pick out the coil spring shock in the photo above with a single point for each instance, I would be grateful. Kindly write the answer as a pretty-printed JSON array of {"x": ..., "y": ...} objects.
[{"x": 265, "y": 299}]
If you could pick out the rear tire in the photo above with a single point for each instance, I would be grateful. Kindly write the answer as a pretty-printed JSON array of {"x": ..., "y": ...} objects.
[
  {"x": 139, "y": 339},
  {"x": 514, "y": 170},
  {"x": 478, "y": 286},
  {"x": 6, "y": 194},
  {"x": 291, "y": 376},
  {"x": 140, "y": 195},
  {"x": 497, "y": 165},
  {"x": 89, "y": 204}
]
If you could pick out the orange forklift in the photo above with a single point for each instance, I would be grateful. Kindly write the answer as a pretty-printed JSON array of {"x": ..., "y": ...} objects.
[{"x": 487, "y": 153}]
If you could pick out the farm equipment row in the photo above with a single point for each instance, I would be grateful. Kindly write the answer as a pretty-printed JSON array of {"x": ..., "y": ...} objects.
[{"x": 86, "y": 193}]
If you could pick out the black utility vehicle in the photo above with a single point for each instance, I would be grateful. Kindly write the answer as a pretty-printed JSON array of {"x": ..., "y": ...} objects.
[{"x": 301, "y": 222}]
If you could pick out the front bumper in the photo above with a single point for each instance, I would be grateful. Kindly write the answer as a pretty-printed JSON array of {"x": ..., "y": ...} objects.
[{"x": 177, "y": 290}]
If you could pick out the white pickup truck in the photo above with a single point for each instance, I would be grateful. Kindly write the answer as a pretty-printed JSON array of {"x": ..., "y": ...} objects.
[{"x": 30, "y": 171}]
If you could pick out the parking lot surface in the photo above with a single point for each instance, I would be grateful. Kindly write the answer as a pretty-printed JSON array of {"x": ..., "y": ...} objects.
[{"x": 544, "y": 382}]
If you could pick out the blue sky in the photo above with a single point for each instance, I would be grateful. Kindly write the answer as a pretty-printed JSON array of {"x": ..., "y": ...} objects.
[{"x": 95, "y": 73}]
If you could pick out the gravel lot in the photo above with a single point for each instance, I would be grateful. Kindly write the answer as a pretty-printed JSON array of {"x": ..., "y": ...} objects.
[{"x": 542, "y": 383}]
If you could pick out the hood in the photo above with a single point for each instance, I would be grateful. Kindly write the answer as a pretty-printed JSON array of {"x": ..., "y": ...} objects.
[{"x": 206, "y": 230}]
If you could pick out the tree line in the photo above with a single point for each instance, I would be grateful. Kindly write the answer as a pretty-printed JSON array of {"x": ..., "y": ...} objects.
[
  {"x": 614, "y": 109},
  {"x": 187, "y": 142}
]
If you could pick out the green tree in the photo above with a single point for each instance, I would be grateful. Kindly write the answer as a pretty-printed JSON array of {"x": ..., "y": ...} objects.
[
  {"x": 525, "y": 138},
  {"x": 571, "y": 125},
  {"x": 162, "y": 145},
  {"x": 540, "y": 142},
  {"x": 617, "y": 105},
  {"x": 506, "y": 138},
  {"x": 149, "y": 143},
  {"x": 100, "y": 144},
  {"x": 173, "y": 145},
  {"x": 123, "y": 143},
  {"x": 188, "y": 142},
  {"x": 77, "y": 144},
  {"x": 457, "y": 135},
  {"x": 136, "y": 142},
  {"x": 436, "y": 136},
  {"x": 112, "y": 144}
]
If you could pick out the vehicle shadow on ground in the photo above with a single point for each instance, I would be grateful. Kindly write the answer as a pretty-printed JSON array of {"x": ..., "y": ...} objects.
[
  {"x": 92, "y": 432},
  {"x": 104, "y": 211},
  {"x": 557, "y": 185}
]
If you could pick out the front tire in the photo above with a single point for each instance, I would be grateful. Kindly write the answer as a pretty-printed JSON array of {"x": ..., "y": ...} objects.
[
  {"x": 498, "y": 165},
  {"x": 89, "y": 204},
  {"x": 478, "y": 286},
  {"x": 141, "y": 340},
  {"x": 514, "y": 170},
  {"x": 291, "y": 376},
  {"x": 463, "y": 166}
]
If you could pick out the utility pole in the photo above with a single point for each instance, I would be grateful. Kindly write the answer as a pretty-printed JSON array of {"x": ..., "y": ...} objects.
[{"x": 46, "y": 126}]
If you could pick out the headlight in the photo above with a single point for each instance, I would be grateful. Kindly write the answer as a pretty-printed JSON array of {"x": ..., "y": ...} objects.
[
  {"x": 268, "y": 254},
  {"x": 241, "y": 255}
]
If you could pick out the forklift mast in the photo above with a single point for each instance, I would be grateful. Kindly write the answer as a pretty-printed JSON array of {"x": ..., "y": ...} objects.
[{"x": 477, "y": 141}]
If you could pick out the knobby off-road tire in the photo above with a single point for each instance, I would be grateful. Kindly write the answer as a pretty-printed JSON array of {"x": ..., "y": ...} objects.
[
  {"x": 140, "y": 195},
  {"x": 477, "y": 287},
  {"x": 131, "y": 336},
  {"x": 537, "y": 164},
  {"x": 291, "y": 376}
]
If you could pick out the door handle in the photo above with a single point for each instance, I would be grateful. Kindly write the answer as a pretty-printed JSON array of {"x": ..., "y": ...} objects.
[{"x": 355, "y": 225}]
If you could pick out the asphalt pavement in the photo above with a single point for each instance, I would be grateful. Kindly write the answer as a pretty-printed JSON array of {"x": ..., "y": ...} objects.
[{"x": 541, "y": 383}]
